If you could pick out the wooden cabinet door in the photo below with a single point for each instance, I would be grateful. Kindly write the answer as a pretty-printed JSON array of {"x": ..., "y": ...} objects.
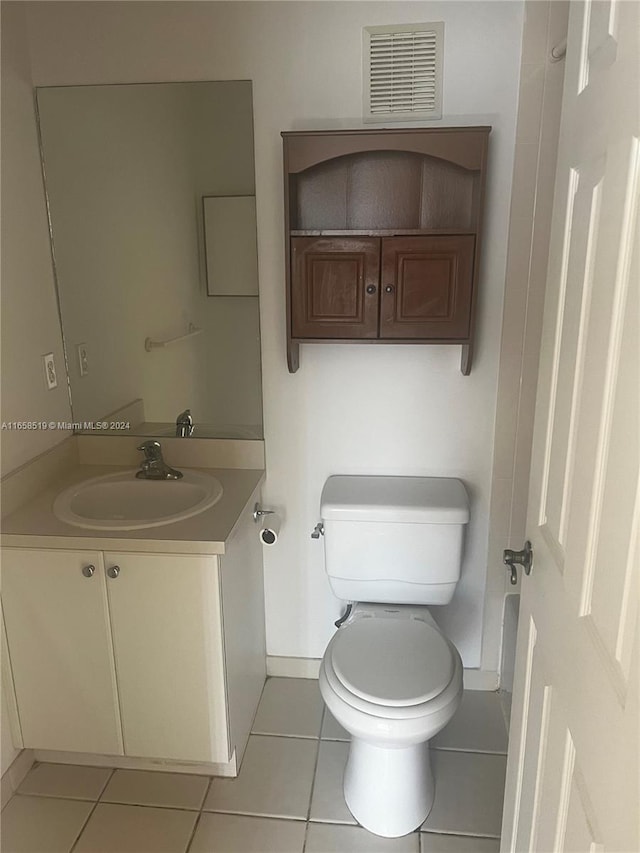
[
  {"x": 427, "y": 287},
  {"x": 335, "y": 287},
  {"x": 60, "y": 648},
  {"x": 167, "y": 634}
]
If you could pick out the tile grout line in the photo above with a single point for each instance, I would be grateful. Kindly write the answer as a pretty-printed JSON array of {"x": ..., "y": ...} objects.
[
  {"x": 199, "y": 817},
  {"x": 207, "y": 791},
  {"x": 256, "y": 814},
  {"x": 52, "y": 797},
  {"x": 90, "y": 815},
  {"x": 313, "y": 779},
  {"x": 106, "y": 784},
  {"x": 196, "y": 824},
  {"x": 467, "y": 751},
  {"x": 285, "y": 737}
]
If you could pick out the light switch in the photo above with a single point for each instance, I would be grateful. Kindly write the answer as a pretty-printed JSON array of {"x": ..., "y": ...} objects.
[
  {"x": 83, "y": 359},
  {"x": 50, "y": 371}
]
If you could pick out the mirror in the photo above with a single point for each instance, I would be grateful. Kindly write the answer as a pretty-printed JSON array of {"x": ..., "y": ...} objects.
[{"x": 152, "y": 210}]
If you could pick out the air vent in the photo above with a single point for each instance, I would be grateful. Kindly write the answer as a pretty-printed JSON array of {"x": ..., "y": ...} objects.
[{"x": 403, "y": 72}]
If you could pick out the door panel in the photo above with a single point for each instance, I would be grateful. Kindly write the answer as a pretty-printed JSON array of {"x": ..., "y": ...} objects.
[
  {"x": 426, "y": 287},
  {"x": 585, "y": 477},
  {"x": 60, "y": 647},
  {"x": 330, "y": 282},
  {"x": 167, "y": 631}
]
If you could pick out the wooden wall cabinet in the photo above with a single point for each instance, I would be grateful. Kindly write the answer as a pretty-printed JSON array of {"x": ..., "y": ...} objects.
[{"x": 383, "y": 236}]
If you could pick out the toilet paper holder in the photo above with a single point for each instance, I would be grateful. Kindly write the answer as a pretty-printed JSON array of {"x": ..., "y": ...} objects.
[{"x": 259, "y": 512}]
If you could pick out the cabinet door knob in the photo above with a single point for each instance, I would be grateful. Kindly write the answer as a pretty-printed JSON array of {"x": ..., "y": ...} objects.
[
  {"x": 389, "y": 288},
  {"x": 371, "y": 288},
  {"x": 113, "y": 571},
  {"x": 88, "y": 571}
]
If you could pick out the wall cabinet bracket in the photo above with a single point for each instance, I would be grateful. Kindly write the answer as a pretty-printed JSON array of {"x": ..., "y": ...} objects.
[
  {"x": 293, "y": 356},
  {"x": 465, "y": 359}
]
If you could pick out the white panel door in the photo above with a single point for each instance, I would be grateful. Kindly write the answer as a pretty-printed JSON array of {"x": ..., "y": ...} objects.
[
  {"x": 573, "y": 768},
  {"x": 59, "y": 643},
  {"x": 167, "y": 634}
]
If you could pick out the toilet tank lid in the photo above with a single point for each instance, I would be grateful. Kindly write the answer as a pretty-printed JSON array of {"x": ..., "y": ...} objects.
[{"x": 417, "y": 500}]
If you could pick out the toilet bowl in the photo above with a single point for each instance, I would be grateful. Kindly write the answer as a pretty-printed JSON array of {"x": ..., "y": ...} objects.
[
  {"x": 389, "y": 675},
  {"x": 393, "y": 681}
]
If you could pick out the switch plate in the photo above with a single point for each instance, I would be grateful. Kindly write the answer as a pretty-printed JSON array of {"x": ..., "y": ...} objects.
[
  {"x": 50, "y": 371},
  {"x": 83, "y": 359}
]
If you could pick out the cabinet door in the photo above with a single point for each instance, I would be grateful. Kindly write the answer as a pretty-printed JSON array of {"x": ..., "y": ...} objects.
[
  {"x": 427, "y": 287},
  {"x": 335, "y": 287},
  {"x": 60, "y": 648},
  {"x": 167, "y": 635}
]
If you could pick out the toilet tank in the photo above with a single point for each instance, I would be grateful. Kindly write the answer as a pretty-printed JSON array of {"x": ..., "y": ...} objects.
[{"x": 396, "y": 540}]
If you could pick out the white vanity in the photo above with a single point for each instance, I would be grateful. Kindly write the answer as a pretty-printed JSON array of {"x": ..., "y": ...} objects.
[{"x": 135, "y": 647}]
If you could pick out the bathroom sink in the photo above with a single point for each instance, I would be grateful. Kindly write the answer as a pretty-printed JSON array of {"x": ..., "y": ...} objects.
[{"x": 123, "y": 502}]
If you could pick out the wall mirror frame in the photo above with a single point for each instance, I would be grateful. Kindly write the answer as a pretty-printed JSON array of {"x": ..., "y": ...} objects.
[{"x": 151, "y": 198}]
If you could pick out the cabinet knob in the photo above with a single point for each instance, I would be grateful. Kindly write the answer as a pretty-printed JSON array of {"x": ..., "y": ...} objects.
[
  {"x": 113, "y": 571},
  {"x": 88, "y": 571},
  {"x": 371, "y": 288},
  {"x": 389, "y": 288}
]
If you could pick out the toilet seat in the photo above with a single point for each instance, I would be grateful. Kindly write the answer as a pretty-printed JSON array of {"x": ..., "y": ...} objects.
[{"x": 395, "y": 663}]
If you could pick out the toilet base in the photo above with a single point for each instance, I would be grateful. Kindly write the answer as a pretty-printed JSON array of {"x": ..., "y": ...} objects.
[{"x": 390, "y": 792}]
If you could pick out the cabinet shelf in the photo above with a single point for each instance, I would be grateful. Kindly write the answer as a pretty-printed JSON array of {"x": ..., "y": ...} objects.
[{"x": 383, "y": 236}]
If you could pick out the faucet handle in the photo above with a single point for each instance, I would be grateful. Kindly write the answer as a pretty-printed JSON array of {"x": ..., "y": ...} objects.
[
  {"x": 185, "y": 417},
  {"x": 151, "y": 448}
]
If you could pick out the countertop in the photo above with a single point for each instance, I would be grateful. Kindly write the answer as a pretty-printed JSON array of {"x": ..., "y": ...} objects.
[{"x": 35, "y": 526}]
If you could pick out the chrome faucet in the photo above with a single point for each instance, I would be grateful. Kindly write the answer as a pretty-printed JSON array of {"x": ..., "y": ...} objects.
[
  {"x": 153, "y": 466},
  {"x": 184, "y": 424}
]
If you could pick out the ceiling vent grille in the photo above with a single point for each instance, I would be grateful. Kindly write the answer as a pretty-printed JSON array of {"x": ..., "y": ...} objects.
[{"x": 403, "y": 72}]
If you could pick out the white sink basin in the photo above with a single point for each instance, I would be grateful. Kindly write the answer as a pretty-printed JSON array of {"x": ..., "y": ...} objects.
[{"x": 123, "y": 502}]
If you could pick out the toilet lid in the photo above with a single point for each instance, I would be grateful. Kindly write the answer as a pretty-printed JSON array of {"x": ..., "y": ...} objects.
[{"x": 397, "y": 662}]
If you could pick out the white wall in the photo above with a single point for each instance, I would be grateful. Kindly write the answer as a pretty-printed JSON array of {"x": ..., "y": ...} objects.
[
  {"x": 386, "y": 409},
  {"x": 7, "y": 750},
  {"x": 30, "y": 324}
]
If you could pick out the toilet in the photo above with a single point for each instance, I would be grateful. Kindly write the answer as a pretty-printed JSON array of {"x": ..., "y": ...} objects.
[{"x": 393, "y": 546}]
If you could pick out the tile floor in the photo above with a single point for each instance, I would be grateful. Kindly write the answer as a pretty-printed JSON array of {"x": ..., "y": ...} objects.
[{"x": 287, "y": 798}]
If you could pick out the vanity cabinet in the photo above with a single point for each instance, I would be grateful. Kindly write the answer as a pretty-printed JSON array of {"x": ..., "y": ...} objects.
[
  {"x": 59, "y": 640},
  {"x": 117, "y": 653},
  {"x": 383, "y": 231},
  {"x": 166, "y": 624}
]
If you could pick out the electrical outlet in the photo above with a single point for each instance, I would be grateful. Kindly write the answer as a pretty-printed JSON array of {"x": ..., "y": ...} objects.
[
  {"x": 83, "y": 359},
  {"x": 50, "y": 371}
]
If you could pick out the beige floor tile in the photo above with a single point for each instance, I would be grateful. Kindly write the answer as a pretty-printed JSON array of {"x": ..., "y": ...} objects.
[
  {"x": 136, "y": 829},
  {"x": 329, "y": 838},
  {"x": 331, "y": 728},
  {"x": 469, "y": 793},
  {"x": 289, "y": 706},
  {"x": 435, "y": 843},
  {"x": 65, "y": 780},
  {"x": 228, "y": 833},
  {"x": 42, "y": 824},
  {"x": 478, "y": 725},
  {"x": 153, "y": 788},
  {"x": 275, "y": 779},
  {"x": 328, "y": 803}
]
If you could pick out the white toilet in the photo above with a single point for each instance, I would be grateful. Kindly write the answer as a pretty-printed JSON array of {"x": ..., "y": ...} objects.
[{"x": 392, "y": 546}]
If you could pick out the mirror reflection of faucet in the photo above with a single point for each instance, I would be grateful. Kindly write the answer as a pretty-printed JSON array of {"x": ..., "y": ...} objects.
[
  {"x": 153, "y": 466},
  {"x": 184, "y": 424}
]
